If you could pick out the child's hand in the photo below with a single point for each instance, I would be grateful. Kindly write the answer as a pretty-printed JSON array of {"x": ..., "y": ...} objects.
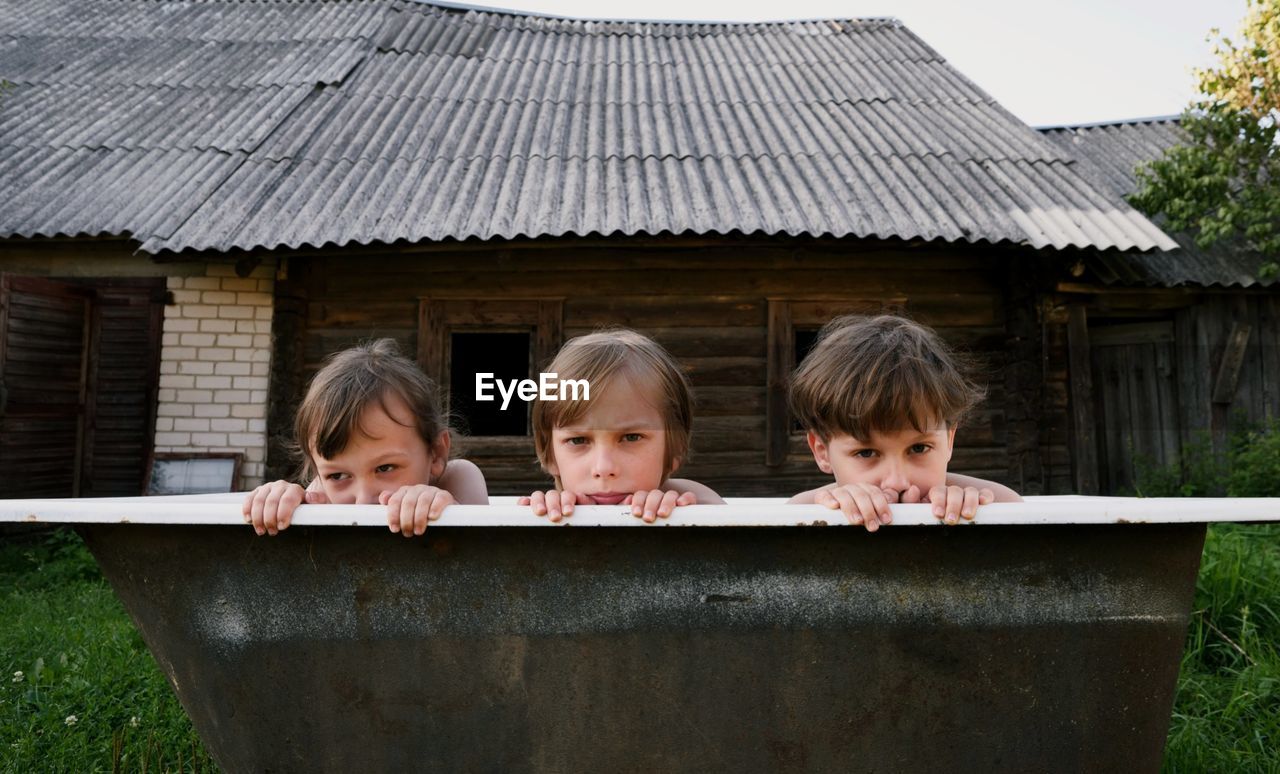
[
  {"x": 269, "y": 508},
  {"x": 950, "y": 501},
  {"x": 864, "y": 504},
  {"x": 410, "y": 508},
  {"x": 553, "y": 504},
  {"x": 653, "y": 504}
]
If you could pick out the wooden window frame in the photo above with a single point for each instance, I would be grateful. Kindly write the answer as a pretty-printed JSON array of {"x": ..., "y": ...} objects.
[
  {"x": 438, "y": 318},
  {"x": 785, "y": 315}
]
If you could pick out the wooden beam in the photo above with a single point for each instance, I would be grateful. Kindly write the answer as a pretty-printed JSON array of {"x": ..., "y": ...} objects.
[
  {"x": 1082, "y": 287},
  {"x": 549, "y": 335},
  {"x": 1224, "y": 384},
  {"x": 288, "y": 383},
  {"x": 1084, "y": 443},
  {"x": 781, "y": 357},
  {"x": 431, "y": 340}
]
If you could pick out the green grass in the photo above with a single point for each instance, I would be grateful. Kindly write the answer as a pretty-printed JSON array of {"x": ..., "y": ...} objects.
[
  {"x": 90, "y": 696},
  {"x": 80, "y": 655},
  {"x": 1226, "y": 716}
]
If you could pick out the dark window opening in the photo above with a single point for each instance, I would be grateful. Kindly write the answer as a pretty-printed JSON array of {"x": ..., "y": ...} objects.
[
  {"x": 804, "y": 341},
  {"x": 506, "y": 356}
]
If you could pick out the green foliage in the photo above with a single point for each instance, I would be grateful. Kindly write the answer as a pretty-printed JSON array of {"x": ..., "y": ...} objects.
[
  {"x": 1224, "y": 182},
  {"x": 1255, "y": 464},
  {"x": 78, "y": 689},
  {"x": 1200, "y": 474},
  {"x": 1249, "y": 467}
]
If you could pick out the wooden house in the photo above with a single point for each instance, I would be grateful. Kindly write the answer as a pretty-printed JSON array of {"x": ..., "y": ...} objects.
[
  {"x": 1164, "y": 349},
  {"x": 275, "y": 181}
]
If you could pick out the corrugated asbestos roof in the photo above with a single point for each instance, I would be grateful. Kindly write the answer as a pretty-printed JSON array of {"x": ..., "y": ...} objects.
[
  {"x": 220, "y": 125},
  {"x": 1114, "y": 151}
]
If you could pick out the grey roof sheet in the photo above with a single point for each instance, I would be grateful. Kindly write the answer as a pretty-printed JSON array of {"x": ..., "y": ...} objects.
[
  {"x": 213, "y": 20},
  {"x": 144, "y": 117},
  {"x": 222, "y": 125},
  {"x": 108, "y": 191},
  {"x": 1112, "y": 153},
  {"x": 51, "y": 60}
]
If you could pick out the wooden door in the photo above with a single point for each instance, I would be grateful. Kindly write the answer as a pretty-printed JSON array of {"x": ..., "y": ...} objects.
[
  {"x": 1135, "y": 400},
  {"x": 44, "y": 357}
]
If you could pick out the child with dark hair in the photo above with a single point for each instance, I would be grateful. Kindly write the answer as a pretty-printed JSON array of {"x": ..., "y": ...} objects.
[
  {"x": 881, "y": 399},
  {"x": 370, "y": 430}
]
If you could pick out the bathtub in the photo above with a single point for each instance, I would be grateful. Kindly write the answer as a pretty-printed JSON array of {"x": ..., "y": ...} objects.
[{"x": 768, "y": 638}]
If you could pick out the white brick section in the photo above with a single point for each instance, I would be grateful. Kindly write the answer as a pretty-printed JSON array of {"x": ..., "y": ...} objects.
[
  {"x": 211, "y": 398},
  {"x": 217, "y": 326}
]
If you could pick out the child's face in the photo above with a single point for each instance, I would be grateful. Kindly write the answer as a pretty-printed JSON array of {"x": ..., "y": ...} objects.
[
  {"x": 383, "y": 456},
  {"x": 894, "y": 460},
  {"x": 615, "y": 449}
]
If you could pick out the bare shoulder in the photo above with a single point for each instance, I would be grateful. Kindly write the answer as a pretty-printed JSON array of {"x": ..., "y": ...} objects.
[
  {"x": 1003, "y": 493},
  {"x": 461, "y": 467},
  {"x": 465, "y": 481},
  {"x": 705, "y": 494},
  {"x": 808, "y": 497}
]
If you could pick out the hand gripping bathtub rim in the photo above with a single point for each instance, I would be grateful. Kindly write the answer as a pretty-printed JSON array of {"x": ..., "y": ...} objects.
[{"x": 767, "y": 512}]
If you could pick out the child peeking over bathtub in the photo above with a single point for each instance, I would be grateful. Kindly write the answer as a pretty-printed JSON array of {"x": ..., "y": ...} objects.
[
  {"x": 370, "y": 430},
  {"x": 621, "y": 446},
  {"x": 881, "y": 399}
]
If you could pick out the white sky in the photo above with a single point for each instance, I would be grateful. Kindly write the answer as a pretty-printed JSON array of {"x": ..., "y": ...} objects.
[{"x": 1050, "y": 62}]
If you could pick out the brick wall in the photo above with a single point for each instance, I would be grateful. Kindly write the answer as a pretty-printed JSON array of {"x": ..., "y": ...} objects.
[{"x": 214, "y": 366}]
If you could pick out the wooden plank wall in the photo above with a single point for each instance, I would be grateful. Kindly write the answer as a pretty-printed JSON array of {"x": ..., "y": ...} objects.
[
  {"x": 1203, "y": 333},
  {"x": 1136, "y": 409},
  {"x": 707, "y": 304},
  {"x": 1203, "y": 321}
]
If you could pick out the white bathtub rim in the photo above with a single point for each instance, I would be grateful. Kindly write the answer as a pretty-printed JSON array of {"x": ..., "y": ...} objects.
[{"x": 742, "y": 512}]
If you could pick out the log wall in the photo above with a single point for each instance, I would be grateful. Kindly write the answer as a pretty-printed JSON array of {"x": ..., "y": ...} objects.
[{"x": 708, "y": 303}]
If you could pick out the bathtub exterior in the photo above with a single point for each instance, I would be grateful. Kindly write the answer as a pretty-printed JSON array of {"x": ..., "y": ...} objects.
[{"x": 1012, "y": 648}]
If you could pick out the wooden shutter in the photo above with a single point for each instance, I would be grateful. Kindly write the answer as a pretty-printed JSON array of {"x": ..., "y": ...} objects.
[
  {"x": 124, "y": 363},
  {"x": 44, "y": 332}
]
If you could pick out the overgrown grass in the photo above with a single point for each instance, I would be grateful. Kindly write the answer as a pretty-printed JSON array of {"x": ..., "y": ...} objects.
[
  {"x": 1226, "y": 714},
  {"x": 80, "y": 656},
  {"x": 79, "y": 691}
]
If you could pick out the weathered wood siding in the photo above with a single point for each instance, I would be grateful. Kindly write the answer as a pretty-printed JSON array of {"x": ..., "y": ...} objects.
[
  {"x": 1252, "y": 392},
  {"x": 1168, "y": 367},
  {"x": 708, "y": 304}
]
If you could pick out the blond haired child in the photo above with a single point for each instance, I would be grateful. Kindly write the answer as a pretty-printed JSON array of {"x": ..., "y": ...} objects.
[
  {"x": 880, "y": 399},
  {"x": 621, "y": 446},
  {"x": 370, "y": 430}
]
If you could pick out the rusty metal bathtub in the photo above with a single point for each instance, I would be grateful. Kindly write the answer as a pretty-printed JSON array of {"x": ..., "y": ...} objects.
[{"x": 745, "y": 637}]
